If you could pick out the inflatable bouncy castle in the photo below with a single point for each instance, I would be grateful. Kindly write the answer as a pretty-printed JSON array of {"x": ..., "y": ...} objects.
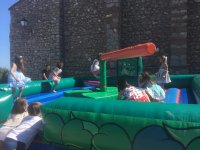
[{"x": 81, "y": 117}]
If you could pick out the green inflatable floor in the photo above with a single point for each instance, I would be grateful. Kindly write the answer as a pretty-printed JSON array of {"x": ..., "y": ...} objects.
[{"x": 111, "y": 93}]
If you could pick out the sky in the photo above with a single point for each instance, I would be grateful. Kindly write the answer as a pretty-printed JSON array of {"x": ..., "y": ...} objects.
[{"x": 4, "y": 32}]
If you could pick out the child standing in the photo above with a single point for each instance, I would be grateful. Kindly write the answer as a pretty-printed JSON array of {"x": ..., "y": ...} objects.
[
  {"x": 54, "y": 75},
  {"x": 130, "y": 92},
  {"x": 16, "y": 78},
  {"x": 162, "y": 76},
  {"x": 94, "y": 68},
  {"x": 21, "y": 137},
  {"x": 153, "y": 90},
  {"x": 19, "y": 111}
]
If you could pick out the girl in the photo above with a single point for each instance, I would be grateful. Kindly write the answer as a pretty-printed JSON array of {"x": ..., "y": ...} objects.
[
  {"x": 21, "y": 137},
  {"x": 94, "y": 68},
  {"x": 16, "y": 78},
  {"x": 54, "y": 75},
  {"x": 19, "y": 111},
  {"x": 154, "y": 91},
  {"x": 129, "y": 92},
  {"x": 162, "y": 76}
]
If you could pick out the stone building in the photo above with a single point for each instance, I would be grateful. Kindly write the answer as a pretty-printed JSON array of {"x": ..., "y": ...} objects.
[{"x": 75, "y": 31}]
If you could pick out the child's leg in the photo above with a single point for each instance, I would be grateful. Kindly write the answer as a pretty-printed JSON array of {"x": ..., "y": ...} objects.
[
  {"x": 14, "y": 92},
  {"x": 9, "y": 144},
  {"x": 55, "y": 85},
  {"x": 20, "y": 92}
]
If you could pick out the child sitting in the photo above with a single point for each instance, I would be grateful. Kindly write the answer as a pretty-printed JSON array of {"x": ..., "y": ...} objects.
[
  {"x": 19, "y": 111},
  {"x": 155, "y": 92},
  {"x": 21, "y": 137},
  {"x": 130, "y": 92}
]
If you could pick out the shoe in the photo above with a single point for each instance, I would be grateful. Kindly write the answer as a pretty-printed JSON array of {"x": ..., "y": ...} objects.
[{"x": 54, "y": 91}]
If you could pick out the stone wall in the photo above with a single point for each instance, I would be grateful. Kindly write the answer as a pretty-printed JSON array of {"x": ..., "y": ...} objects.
[
  {"x": 90, "y": 27},
  {"x": 76, "y": 31},
  {"x": 193, "y": 37},
  {"x": 39, "y": 41}
]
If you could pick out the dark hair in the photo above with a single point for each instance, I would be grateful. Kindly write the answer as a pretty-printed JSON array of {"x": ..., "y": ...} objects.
[
  {"x": 34, "y": 108},
  {"x": 163, "y": 58},
  {"x": 121, "y": 83},
  {"x": 20, "y": 106},
  {"x": 60, "y": 64},
  {"x": 145, "y": 77},
  {"x": 19, "y": 62}
]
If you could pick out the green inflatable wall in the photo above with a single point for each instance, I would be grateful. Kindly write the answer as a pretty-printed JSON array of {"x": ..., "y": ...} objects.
[{"x": 121, "y": 125}]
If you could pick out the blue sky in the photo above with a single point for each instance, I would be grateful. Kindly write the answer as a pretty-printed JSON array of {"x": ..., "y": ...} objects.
[{"x": 4, "y": 32}]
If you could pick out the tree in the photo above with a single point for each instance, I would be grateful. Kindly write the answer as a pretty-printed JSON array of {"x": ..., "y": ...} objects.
[{"x": 3, "y": 75}]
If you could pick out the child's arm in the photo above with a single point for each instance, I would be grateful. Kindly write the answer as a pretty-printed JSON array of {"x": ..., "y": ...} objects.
[
  {"x": 120, "y": 95},
  {"x": 165, "y": 69},
  {"x": 14, "y": 66},
  {"x": 45, "y": 77}
]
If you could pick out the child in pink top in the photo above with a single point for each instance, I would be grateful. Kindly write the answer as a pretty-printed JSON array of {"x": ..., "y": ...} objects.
[{"x": 54, "y": 75}]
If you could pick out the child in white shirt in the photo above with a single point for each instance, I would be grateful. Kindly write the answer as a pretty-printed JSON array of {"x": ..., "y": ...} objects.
[
  {"x": 19, "y": 111},
  {"x": 21, "y": 137}
]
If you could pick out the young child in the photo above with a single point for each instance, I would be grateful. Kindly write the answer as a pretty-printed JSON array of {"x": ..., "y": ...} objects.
[
  {"x": 153, "y": 90},
  {"x": 21, "y": 137},
  {"x": 130, "y": 92},
  {"x": 16, "y": 78},
  {"x": 54, "y": 75},
  {"x": 46, "y": 72},
  {"x": 162, "y": 76},
  {"x": 94, "y": 68},
  {"x": 19, "y": 111}
]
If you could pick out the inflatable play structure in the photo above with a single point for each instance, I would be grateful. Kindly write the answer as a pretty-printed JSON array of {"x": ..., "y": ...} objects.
[{"x": 81, "y": 117}]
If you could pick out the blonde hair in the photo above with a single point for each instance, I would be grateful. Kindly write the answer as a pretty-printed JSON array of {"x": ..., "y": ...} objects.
[
  {"x": 34, "y": 109},
  {"x": 20, "y": 106}
]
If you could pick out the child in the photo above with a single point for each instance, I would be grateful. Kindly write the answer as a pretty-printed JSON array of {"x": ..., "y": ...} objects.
[
  {"x": 21, "y": 137},
  {"x": 16, "y": 79},
  {"x": 154, "y": 91},
  {"x": 130, "y": 92},
  {"x": 162, "y": 76},
  {"x": 19, "y": 111},
  {"x": 54, "y": 75},
  {"x": 94, "y": 68},
  {"x": 46, "y": 72}
]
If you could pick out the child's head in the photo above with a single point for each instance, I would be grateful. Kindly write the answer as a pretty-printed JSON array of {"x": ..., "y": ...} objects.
[
  {"x": 145, "y": 77},
  {"x": 163, "y": 59},
  {"x": 19, "y": 61},
  {"x": 60, "y": 64},
  {"x": 20, "y": 106},
  {"x": 121, "y": 84},
  {"x": 48, "y": 67},
  {"x": 34, "y": 109}
]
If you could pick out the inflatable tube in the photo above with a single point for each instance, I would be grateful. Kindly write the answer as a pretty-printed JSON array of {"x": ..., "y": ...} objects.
[
  {"x": 172, "y": 96},
  {"x": 184, "y": 96},
  {"x": 92, "y": 83},
  {"x": 100, "y": 123},
  {"x": 6, "y": 103},
  {"x": 140, "y": 50}
]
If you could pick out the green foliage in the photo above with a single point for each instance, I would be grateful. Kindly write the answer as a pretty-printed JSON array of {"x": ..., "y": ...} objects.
[{"x": 3, "y": 75}]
